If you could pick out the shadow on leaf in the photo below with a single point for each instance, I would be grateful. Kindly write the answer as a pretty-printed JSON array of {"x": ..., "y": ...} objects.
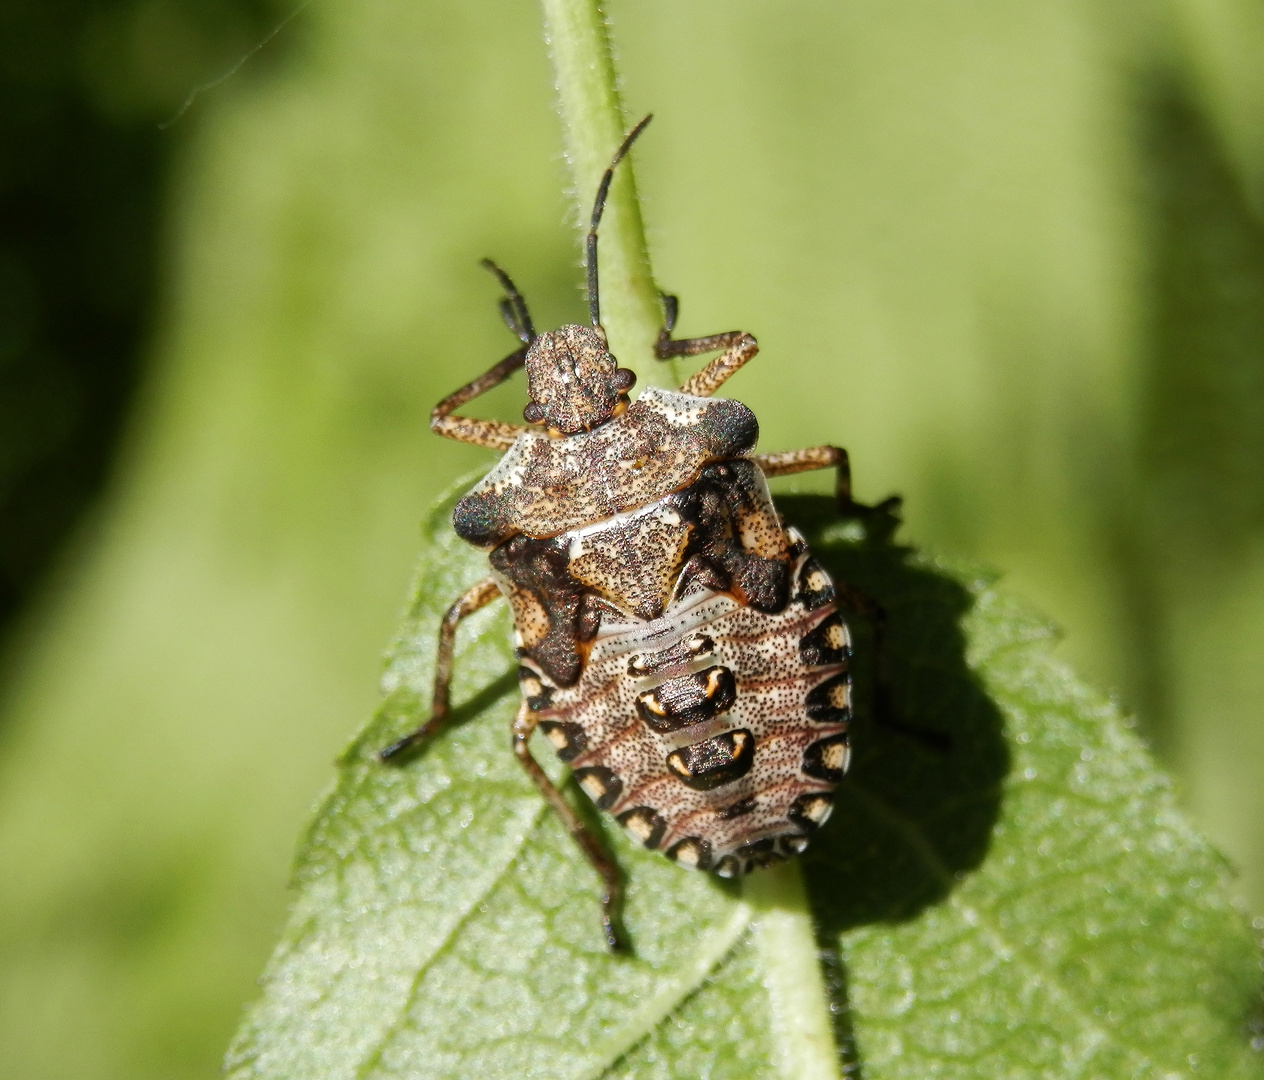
[
  {"x": 917, "y": 808},
  {"x": 408, "y": 705}
]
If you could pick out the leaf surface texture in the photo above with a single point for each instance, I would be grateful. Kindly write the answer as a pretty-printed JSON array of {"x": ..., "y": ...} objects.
[{"x": 1005, "y": 889}]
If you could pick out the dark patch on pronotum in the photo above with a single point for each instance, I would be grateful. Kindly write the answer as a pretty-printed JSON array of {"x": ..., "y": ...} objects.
[{"x": 540, "y": 568}]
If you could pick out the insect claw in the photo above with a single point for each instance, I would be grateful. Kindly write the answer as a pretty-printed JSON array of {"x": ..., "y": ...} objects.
[
  {"x": 671, "y": 309},
  {"x": 396, "y": 748},
  {"x": 400, "y": 746},
  {"x": 616, "y": 940}
]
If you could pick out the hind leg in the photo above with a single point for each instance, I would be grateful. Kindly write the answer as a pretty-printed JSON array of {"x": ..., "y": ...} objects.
[{"x": 594, "y": 851}]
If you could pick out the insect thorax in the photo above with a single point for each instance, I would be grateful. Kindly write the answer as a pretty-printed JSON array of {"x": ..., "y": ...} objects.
[{"x": 678, "y": 645}]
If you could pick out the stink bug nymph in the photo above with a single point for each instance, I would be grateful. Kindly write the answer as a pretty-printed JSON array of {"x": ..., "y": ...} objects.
[{"x": 678, "y": 645}]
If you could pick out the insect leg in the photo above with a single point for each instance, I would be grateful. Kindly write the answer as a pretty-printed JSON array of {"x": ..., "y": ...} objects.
[
  {"x": 493, "y": 434},
  {"x": 601, "y": 860},
  {"x": 666, "y": 346},
  {"x": 490, "y": 433},
  {"x": 479, "y": 596},
  {"x": 884, "y": 712},
  {"x": 789, "y": 462},
  {"x": 513, "y": 308},
  {"x": 739, "y": 347}
]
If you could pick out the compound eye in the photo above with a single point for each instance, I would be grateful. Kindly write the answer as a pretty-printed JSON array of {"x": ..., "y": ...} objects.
[
  {"x": 623, "y": 379},
  {"x": 533, "y": 414}
]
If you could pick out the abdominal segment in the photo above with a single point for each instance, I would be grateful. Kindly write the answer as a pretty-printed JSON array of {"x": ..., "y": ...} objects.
[{"x": 714, "y": 732}]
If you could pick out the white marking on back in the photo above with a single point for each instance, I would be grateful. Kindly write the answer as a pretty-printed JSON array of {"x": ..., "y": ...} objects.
[{"x": 617, "y": 638}]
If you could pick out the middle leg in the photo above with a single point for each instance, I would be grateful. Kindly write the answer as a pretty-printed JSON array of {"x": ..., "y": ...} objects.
[
  {"x": 478, "y": 597},
  {"x": 789, "y": 462}
]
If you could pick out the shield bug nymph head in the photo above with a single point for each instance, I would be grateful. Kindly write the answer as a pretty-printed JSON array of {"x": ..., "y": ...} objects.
[{"x": 575, "y": 384}]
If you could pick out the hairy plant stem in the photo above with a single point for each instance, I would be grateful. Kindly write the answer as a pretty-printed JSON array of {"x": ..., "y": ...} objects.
[
  {"x": 593, "y": 123},
  {"x": 786, "y": 939}
]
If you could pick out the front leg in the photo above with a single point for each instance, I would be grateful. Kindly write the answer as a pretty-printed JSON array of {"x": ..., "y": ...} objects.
[
  {"x": 739, "y": 347},
  {"x": 493, "y": 434}
]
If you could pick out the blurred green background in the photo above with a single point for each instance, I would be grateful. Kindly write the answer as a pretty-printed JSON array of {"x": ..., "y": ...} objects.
[{"x": 1012, "y": 256}]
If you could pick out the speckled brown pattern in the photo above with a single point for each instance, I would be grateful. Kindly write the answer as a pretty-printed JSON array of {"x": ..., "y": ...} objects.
[
  {"x": 574, "y": 382},
  {"x": 678, "y": 646},
  {"x": 545, "y": 486},
  {"x": 713, "y": 732}
]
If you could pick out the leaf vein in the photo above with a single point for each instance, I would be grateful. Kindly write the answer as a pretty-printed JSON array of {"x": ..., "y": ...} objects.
[
  {"x": 373, "y": 1057},
  {"x": 1037, "y": 976}
]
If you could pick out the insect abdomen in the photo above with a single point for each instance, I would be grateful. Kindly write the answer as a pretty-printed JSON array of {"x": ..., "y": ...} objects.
[{"x": 716, "y": 732}]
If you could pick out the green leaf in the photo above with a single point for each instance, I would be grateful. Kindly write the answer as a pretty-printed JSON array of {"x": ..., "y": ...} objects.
[{"x": 1006, "y": 888}]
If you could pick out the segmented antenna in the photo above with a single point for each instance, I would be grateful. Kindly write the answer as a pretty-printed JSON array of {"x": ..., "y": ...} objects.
[
  {"x": 513, "y": 308},
  {"x": 599, "y": 206}
]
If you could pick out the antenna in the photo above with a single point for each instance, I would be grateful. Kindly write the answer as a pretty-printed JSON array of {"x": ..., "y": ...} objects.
[
  {"x": 513, "y": 308},
  {"x": 599, "y": 206}
]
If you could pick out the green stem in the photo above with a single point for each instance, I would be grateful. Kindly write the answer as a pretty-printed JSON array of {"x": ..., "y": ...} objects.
[
  {"x": 593, "y": 124},
  {"x": 593, "y": 121},
  {"x": 799, "y": 1003}
]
